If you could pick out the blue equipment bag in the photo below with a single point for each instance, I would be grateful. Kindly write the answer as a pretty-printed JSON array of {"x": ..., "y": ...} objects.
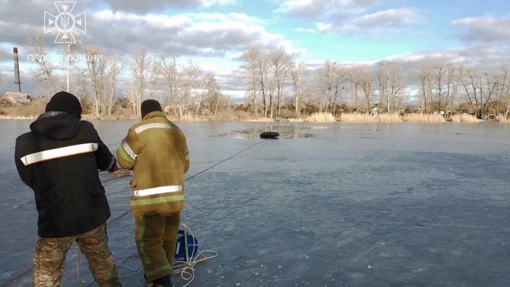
[{"x": 184, "y": 240}]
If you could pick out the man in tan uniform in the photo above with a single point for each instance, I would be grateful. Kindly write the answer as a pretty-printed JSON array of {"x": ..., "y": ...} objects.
[{"x": 156, "y": 150}]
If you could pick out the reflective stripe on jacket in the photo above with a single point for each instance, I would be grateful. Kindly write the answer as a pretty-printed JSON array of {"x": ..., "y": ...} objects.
[
  {"x": 156, "y": 150},
  {"x": 58, "y": 153}
]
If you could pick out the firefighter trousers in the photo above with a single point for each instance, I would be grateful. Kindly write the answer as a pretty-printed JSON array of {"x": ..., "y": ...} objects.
[{"x": 156, "y": 237}]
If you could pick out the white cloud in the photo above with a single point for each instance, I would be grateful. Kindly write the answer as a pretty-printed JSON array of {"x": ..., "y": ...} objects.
[
  {"x": 158, "y": 5},
  {"x": 305, "y": 30},
  {"x": 391, "y": 18},
  {"x": 349, "y": 16},
  {"x": 152, "y": 20},
  {"x": 379, "y": 23},
  {"x": 305, "y": 8},
  {"x": 193, "y": 34},
  {"x": 323, "y": 27},
  {"x": 484, "y": 57},
  {"x": 324, "y": 8},
  {"x": 484, "y": 29},
  {"x": 209, "y": 3}
]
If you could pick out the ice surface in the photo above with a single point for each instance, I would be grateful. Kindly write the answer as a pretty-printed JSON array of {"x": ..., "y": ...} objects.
[{"x": 325, "y": 205}]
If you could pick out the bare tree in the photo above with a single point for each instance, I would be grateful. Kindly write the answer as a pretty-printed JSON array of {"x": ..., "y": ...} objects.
[
  {"x": 139, "y": 66},
  {"x": 332, "y": 77},
  {"x": 364, "y": 78},
  {"x": 250, "y": 73},
  {"x": 3, "y": 82},
  {"x": 340, "y": 79},
  {"x": 213, "y": 98},
  {"x": 96, "y": 73},
  {"x": 280, "y": 62},
  {"x": 383, "y": 77},
  {"x": 191, "y": 74},
  {"x": 424, "y": 75},
  {"x": 264, "y": 82},
  {"x": 391, "y": 84},
  {"x": 207, "y": 86},
  {"x": 298, "y": 74},
  {"x": 260, "y": 61},
  {"x": 44, "y": 71},
  {"x": 356, "y": 75},
  {"x": 471, "y": 83},
  {"x": 326, "y": 81},
  {"x": 171, "y": 72},
  {"x": 132, "y": 95},
  {"x": 114, "y": 69},
  {"x": 180, "y": 82},
  {"x": 451, "y": 86},
  {"x": 154, "y": 72},
  {"x": 503, "y": 92},
  {"x": 102, "y": 72},
  {"x": 445, "y": 84},
  {"x": 479, "y": 89},
  {"x": 489, "y": 86}
]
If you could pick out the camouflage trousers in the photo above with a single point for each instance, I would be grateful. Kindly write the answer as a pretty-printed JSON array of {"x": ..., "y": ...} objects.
[{"x": 50, "y": 255}]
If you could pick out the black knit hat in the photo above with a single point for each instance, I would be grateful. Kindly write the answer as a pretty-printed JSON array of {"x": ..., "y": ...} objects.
[
  {"x": 64, "y": 102},
  {"x": 149, "y": 106}
]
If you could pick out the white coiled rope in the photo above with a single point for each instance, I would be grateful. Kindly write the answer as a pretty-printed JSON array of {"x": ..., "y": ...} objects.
[{"x": 186, "y": 268}]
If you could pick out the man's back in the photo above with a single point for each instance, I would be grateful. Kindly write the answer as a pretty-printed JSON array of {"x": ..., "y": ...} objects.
[
  {"x": 156, "y": 150},
  {"x": 59, "y": 159}
]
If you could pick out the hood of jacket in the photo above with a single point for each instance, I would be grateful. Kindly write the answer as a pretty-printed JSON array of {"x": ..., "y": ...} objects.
[{"x": 56, "y": 125}]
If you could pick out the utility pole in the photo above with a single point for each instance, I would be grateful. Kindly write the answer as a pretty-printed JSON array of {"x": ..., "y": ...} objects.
[{"x": 68, "y": 64}]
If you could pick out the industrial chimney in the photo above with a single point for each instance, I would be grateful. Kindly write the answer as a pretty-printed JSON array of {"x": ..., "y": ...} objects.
[{"x": 17, "y": 81}]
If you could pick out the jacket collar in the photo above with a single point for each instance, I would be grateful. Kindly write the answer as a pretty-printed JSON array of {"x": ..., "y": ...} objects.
[{"x": 155, "y": 114}]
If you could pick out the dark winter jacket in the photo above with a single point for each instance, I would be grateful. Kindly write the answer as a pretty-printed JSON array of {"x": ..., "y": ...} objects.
[{"x": 59, "y": 159}]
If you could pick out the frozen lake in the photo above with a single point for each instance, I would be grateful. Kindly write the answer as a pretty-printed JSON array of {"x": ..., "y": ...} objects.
[{"x": 325, "y": 205}]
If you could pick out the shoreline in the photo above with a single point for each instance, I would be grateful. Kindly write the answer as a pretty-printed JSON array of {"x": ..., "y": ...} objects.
[
  {"x": 282, "y": 121},
  {"x": 315, "y": 118}
]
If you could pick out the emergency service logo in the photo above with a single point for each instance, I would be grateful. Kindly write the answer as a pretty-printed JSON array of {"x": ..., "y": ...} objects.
[{"x": 65, "y": 22}]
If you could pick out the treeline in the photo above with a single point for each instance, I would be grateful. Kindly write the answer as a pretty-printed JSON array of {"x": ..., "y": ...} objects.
[
  {"x": 274, "y": 81},
  {"x": 275, "y": 85}
]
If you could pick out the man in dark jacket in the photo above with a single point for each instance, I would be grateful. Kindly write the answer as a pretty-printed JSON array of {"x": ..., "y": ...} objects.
[
  {"x": 59, "y": 159},
  {"x": 156, "y": 150}
]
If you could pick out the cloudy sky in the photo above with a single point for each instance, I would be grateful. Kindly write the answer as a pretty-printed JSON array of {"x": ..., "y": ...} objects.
[{"x": 213, "y": 33}]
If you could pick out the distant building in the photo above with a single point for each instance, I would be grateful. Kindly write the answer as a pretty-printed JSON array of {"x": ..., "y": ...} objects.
[{"x": 15, "y": 98}]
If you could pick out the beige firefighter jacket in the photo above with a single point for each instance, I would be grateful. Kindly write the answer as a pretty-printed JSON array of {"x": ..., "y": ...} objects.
[{"x": 156, "y": 150}]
